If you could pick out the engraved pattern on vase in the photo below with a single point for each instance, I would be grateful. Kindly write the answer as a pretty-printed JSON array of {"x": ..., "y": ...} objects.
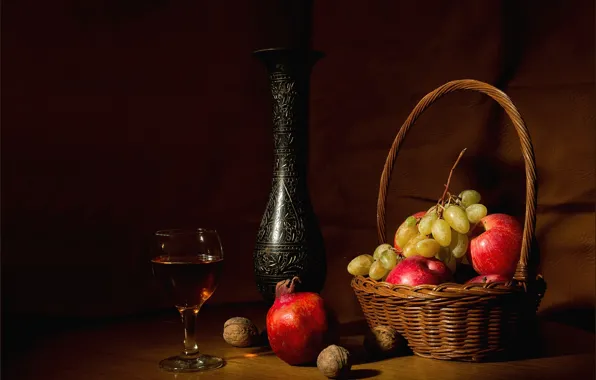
[{"x": 289, "y": 242}]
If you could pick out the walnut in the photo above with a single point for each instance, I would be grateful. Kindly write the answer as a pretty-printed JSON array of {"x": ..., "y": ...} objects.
[
  {"x": 240, "y": 332},
  {"x": 334, "y": 362},
  {"x": 384, "y": 341}
]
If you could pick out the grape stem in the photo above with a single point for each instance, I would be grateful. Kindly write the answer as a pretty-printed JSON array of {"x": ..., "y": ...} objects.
[{"x": 441, "y": 201}]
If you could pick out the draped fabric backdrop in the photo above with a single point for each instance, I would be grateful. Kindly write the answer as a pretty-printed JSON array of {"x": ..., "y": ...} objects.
[{"x": 124, "y": 117}]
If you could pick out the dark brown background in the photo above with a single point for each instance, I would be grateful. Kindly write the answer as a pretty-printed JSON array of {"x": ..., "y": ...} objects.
[{"x": 123, "y": 117}]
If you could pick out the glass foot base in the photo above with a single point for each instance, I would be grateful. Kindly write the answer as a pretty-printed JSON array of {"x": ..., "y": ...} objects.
[{"x": 183, "y": 363}]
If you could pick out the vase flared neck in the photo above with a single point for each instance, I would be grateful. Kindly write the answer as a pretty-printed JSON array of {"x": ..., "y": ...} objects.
[{"x": 297, "y": 56}]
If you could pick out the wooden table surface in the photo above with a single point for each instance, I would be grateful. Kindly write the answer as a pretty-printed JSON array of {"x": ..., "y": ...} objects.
[{"x": 131, "y": 349}]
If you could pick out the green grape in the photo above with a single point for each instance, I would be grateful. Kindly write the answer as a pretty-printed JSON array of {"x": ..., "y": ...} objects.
[
  {"x": 476, "y": 212},
  {"x": 459, "y": 244},
  {"x": 447, "y": 258},
  {"x": 411, "y": 221},
  {"x": 442, "y": 232},
  {"x": 380, "y": 249},
  {"x": 469, "y": 197},
  {"x": 360, "y": 265},
  {"x": 427, "y": 247},
  {"x": 457, "y": 219},
  {"x": 404, "y": 234},
  {"x": 388, "y": 259},
  {"x": 426, "y": 223},
  {"x": 410, "y": 248},
  {"x": 377, "y": 271}
]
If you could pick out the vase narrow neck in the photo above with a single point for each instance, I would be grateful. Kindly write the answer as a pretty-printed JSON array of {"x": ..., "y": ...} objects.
[{"x": 289, "y": 80}]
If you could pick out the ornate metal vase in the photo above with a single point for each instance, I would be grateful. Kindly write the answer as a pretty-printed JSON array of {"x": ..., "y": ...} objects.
[{"x": 289, "y": 241}]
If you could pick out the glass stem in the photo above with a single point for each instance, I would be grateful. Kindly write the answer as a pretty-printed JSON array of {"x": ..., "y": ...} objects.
[{"x": 189, "y": 319}]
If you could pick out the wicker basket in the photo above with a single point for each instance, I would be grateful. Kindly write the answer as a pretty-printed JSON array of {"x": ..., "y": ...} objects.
[{"x": 473, "y": 322}]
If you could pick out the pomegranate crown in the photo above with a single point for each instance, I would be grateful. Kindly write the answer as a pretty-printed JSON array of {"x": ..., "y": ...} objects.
[{"x": 286, "y": 287}]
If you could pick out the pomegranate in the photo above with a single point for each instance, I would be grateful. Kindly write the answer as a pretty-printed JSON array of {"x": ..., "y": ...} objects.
[{"x": 298, "y": 324}]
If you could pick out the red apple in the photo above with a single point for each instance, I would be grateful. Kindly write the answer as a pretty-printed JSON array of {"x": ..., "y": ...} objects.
[
  {"x": 419, "y": 270},
  {"x": 417, "y": 215},
  {"x": 497, "y": 248},
  {"x": 487, "y": 279}
]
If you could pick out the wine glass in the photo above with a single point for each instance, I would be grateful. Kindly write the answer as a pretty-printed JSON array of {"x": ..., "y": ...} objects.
[{"x": 188, "y": 265}]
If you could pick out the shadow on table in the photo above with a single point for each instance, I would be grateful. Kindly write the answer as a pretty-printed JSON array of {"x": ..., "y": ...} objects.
[
  {"x": 553, "y": 339},
  {"x": 549, "y": 339},
  {"x": 360, "y": 373},
  {"x": 363, "y": 373}
]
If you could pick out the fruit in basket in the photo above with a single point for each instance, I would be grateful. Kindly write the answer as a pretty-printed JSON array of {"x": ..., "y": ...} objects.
[
  {"x": 476, "y": 212},
  {"x": 360, "y": 265},
  {"x": 376, "y": 266},
  {"x": 411, "y": 221},
  {"x": 403, "y": 235},
  {"x": 426, "y": 222},
  {"x": 388, "y": 259},
  {"x": 419, "y": 270},
  {"x": 377, "y": 271},
  {"x": 427, "y": 247},
  {"x": 407, "y": 230},
  {"x": 457, "y": 229},
  {"x": 298, "y": 324},
  {"x": 487, "y": 279},
  {"x": 457, "y": 218},
  {"x": 411, "y": 249},
  {"x": 380, "y": 249},
  {"x": 469, "y": 197},
  {"x": 459, "y": 244},
  {"x": 419, "y": 215},
  {"x": 447, "y": 258},
  {"x": 441, "y": 231},
  {"x": 497, "y": 249}
]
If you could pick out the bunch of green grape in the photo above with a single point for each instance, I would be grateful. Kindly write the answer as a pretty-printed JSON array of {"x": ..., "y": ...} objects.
[
  {"x": 443, "y": 231},
  {"x": 378, "y": 265}
]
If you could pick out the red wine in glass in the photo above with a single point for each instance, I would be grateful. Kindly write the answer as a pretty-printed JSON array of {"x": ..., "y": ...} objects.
[
  {"x": 189, "y": 266},
  {"x": 188, "y": 281}
]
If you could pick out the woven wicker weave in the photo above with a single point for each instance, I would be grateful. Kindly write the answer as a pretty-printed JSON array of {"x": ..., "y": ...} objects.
[{"x": 451, "y": 321}]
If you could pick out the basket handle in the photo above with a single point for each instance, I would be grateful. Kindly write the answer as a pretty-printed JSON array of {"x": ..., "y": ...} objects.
[{"x": 521, "y": 272}]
